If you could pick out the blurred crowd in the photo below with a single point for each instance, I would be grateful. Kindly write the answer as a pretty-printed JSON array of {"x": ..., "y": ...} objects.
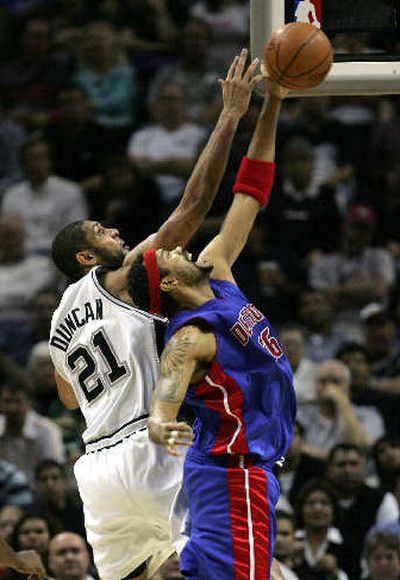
[{"x": 104, "y": 108}]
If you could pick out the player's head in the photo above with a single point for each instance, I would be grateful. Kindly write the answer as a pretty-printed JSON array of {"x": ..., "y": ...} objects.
[
  {"x": 84, "y": 244},
  {"x": 159, "y": 280}
]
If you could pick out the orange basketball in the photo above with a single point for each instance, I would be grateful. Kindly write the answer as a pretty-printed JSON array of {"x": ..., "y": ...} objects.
[{"x": 298, "y": 56}]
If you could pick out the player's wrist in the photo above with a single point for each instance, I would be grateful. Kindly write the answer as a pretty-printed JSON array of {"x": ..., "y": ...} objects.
[{"x": 255, "y": 178}]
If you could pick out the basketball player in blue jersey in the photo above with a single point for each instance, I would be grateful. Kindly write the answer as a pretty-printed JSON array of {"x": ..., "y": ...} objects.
[{"x": 223, "y": 357}]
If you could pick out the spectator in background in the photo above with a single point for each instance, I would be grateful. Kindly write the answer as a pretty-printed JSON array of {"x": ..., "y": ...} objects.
[
  {"x": 54, "y": 497},
  {"x": 193, "y": 73},
  {"x": 322, "y": 543},
  {"x": 302, "y": 216},
  {"x": 26, "y": 437},
  {"x": 109, "y": 81},
  {"x": 379, "y": 329},
  {"x": 386, "y": 454},
  {"x": 9, "y": 516},
  {"x": 78, "y": 143},
  {"x": 304, "y": 370},
  {"x": 285, "y": 544},
  {"x": 383, "y": 556},
  {"x": 69, "y": 557},
  {"x": 14, "y": 487},
  {"x": 333, "y": 419},
  {"x": 167, "y": 148},
  {"x": 12, "y": 137},
  {"x": 44, "y": 388},
  {"x": 228, "y": 20},
  {"x": 359, "y": 273},
  {"x": 322, "y": 337},
  {"x": 21, "y": 275},
  {"x": 128, "y": 200},
  {"x": 360, "y": 506},
  {"x": 34, "y": 532},
  {"x": 299, "y": 467},
  {"x": 30, "y": 81},
  {"x": 18, "y": 337},
  {"x": 363, "y": 393},
  {"x": 45, "y": 395},
  {"x": 44, "y": 201}
]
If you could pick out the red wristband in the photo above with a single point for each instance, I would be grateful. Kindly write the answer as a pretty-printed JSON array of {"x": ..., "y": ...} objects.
[
  {"x": 153, "y": 279},
  {"x": 255, "y": 178}
]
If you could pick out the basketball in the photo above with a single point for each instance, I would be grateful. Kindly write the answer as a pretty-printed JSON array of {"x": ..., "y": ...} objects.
[{"x": 298, "y": 56}]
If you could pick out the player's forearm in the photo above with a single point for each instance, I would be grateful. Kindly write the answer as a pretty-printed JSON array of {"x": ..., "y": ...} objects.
[
  {"x": 165, "y": 412},
  {"x": 209, "y": 170},
  {"x": 262, "y": 145}
]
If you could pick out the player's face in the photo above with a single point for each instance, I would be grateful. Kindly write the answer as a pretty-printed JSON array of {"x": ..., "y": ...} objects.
[
  {"x": 179, "y": 263},
  {"x": 110, "y": 249}
]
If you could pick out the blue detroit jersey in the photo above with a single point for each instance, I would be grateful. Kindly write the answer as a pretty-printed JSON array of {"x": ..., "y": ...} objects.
[{"x": 246, "y": 403}]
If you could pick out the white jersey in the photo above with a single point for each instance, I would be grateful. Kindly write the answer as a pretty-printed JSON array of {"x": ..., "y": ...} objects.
[{"x": 107, "y": 351}]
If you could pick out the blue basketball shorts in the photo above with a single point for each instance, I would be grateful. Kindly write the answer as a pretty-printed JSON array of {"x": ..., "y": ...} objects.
[{"x": 231, "y": 510}]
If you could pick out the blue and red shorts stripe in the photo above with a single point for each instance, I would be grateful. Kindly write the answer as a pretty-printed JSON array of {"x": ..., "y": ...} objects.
[{"x": 232, "y": 519}]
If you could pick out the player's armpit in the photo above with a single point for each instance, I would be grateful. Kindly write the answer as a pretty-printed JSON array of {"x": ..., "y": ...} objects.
[{"x": 66, "y": 392}]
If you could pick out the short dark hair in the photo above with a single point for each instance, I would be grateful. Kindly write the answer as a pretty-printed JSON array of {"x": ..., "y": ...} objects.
[
  {"x": 138, "y": 288},
  {"x": 351, "y": 348},
  {"x": 67, "y": 243},
  {"x": 282, "y": 515},
  {"x": 307, "y": 489},
  {"x": 389, "y": 540},
  {"x": 54, "y": 526},
  {"x": 346, "y": 447},
  {"x": 49, "y": 464}
]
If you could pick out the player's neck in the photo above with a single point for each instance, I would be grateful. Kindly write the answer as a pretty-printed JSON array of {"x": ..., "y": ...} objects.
[{"x": 195, "y": 296}]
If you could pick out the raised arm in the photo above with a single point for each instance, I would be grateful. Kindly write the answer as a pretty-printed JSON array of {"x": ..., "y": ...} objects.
[
  {"x": 224, "y": 249},
  {"x": 182, "y": 362},
  {"x": 208, "y": 172}
]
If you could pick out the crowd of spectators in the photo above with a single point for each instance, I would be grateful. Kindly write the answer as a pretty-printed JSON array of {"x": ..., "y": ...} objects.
[{"x": 104, "y": 108}]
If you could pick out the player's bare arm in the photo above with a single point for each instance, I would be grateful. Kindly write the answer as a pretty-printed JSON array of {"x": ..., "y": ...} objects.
[
  {"x": 210, "y": 167},
  {"x": 184, "y": 360},
  {"x": 66, "y": 392},
  {"x": 224, "y": 249}
]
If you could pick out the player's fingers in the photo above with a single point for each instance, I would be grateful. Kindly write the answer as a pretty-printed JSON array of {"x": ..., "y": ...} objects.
[
  {"x": 241, "y": 63},
  {"x": 178, "y": 427},
  {"x": 251, "y": 69},
  {"x": 172, "y": 450},
  {"x": 185, "y": 442},
  {"x": 232, "y": 69}
]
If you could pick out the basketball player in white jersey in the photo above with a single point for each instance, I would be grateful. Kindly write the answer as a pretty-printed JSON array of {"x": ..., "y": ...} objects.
[{"x": 105, "y": 354}]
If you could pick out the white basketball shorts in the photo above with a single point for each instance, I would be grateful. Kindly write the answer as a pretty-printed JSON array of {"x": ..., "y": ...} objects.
[{"x": 127, "y": 492}]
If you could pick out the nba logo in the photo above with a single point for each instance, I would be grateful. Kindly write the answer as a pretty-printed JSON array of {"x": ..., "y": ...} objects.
[{"x": 309, "y": 11}]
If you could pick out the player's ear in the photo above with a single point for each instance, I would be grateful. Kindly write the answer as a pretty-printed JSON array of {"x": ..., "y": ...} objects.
[
  {"x": 86, "y": 258},
  {"x": 168, "y": 283}
]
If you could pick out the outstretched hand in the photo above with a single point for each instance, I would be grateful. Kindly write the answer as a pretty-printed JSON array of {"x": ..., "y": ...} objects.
[
  {"x": 170, "y": 435},
  {"x": 240, "y": 83}
]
